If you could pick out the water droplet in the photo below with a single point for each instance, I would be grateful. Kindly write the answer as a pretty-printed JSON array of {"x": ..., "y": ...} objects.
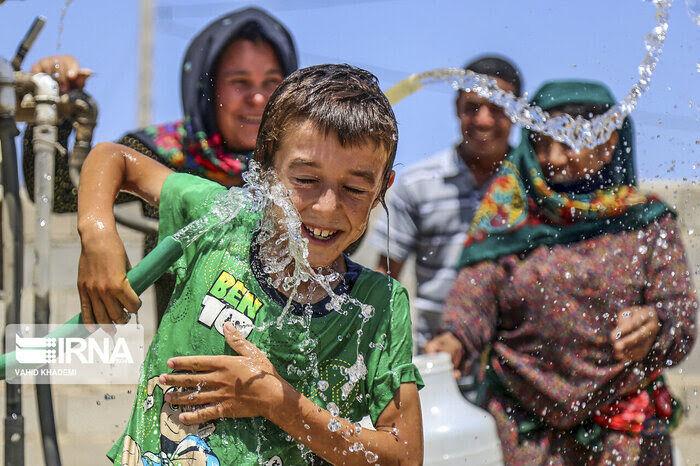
[
  {"x": 333, "y": 409},
  {"x": 358, "y": 428},
  {"x": 187, "y": 66},
  {"x": 357, "y": 446},
  {"x": 334, "y": 425}
]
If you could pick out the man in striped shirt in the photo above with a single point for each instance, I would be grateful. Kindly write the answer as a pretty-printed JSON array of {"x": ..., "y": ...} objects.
[{"x": 432, "y": 202}]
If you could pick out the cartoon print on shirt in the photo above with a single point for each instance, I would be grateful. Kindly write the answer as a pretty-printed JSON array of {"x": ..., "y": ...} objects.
[
  {"x": 274, "y": 461},
  {"x": 179, "y": 442}
]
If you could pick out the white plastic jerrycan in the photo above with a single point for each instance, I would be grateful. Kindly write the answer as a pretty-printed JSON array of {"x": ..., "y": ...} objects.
[{"x": 454, "y": 430}]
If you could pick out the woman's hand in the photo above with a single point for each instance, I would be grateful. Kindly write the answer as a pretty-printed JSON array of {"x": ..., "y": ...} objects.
[
  {"x": 225, "y": 386},
  {"x": 635, "y": 333},
  {"x": 104, "y": 291},
  {"x": 447, "y": 343},
  {"x": 64, "y": 69}
]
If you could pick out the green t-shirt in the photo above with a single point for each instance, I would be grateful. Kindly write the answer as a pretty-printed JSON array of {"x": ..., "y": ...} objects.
[{"x": 216, "y": 283}]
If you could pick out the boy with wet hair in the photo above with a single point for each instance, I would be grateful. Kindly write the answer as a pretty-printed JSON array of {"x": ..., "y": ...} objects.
[{"x": 261, "y": 393}]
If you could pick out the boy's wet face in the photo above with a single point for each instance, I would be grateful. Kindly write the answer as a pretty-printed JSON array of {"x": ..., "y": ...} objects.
[
  {"x": 561, "y": 164},
  {"x": 332, "y": 187}
]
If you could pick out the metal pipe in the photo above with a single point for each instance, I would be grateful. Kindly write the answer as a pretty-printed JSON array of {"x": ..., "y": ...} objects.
[
  {"x": 82, "y": 110},
  {"x": 44, "y": 143},
  {"x": 28, "y": 41},
  {"x": 13, "y": 254},
  {"x": 83, "y": 113}
]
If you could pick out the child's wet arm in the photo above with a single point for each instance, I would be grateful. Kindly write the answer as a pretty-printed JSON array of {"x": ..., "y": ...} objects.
[
  {"x": 109, "y": 169},
  {"x": 397, "y": 440},
  {"x": 102, "y": 285}
]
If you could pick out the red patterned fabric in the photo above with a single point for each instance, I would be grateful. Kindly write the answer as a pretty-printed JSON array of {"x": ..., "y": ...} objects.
[
  {"x": 630, "y": 413},
  {"x": 185, "y": 151}
]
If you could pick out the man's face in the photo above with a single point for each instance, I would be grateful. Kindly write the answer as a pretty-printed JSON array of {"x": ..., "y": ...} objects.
[
  {"x": 561, "y": 164},
  {"x": 485, "y": 127},
  {"x": 247, "y": 74},
  {"x": 333, "y": 187}
]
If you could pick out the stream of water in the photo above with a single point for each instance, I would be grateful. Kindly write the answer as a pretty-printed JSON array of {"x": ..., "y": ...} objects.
[{"x": 576, "y": 132}]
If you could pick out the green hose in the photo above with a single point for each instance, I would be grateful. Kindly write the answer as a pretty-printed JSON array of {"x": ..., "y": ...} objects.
[{"x": 140, "y": 278}]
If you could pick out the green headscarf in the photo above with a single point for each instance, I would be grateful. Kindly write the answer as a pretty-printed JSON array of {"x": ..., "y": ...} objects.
[{"x": 521, "y": 211}]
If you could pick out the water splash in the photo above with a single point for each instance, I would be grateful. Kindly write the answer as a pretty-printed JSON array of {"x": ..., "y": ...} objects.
[
  {"x": 284, "y": 251},
  {"x": 284, "y": 257},
  {"x": 60, "y": 23},
  {"x": 354, "y": 373},
  {"x": 223, "y": 210},
  {"x": 576, "y": 132}
]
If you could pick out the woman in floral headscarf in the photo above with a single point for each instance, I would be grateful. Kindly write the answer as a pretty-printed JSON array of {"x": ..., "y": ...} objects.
[
  {"x": 572, "y": 297},
  {"x": 229, "y": 71}
]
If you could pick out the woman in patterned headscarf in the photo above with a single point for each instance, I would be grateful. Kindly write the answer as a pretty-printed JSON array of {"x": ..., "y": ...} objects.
[
  {"x": 229, "y": 71},
  {"x": 572, "y": 297}
]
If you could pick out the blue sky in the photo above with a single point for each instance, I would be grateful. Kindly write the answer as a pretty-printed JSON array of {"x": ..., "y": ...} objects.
[{"x": 596, "y": 39}]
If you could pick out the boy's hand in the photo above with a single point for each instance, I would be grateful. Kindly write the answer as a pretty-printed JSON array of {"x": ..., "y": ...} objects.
[
  {"x": 105, "y": 293},
  {"x": 225, "y": 386},
  {"x": 635, "y": 333},
  {"x": 447, "y": 343}
]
